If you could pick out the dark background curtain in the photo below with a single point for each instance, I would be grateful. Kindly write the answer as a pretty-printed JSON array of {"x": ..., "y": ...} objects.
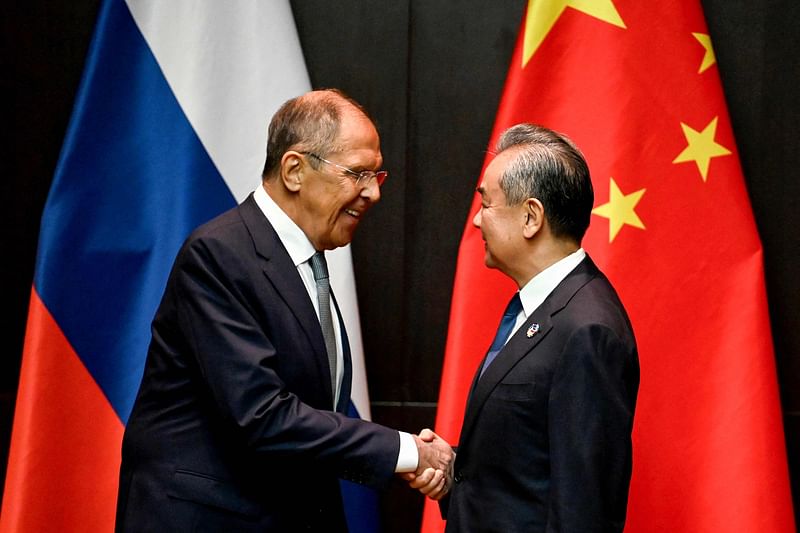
[{"x": 431, "y": 74}]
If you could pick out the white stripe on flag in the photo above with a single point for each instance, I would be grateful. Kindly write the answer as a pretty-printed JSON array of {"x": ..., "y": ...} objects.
[{"x": 230, "y": 65}]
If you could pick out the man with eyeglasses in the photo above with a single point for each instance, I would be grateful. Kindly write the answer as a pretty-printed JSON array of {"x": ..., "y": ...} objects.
[{"x": 240, "y": 424}]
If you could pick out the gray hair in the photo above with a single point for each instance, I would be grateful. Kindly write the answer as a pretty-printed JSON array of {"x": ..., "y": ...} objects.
[
  {"x": 307, "y": 123},
  {"x": 548, "y": 166}
]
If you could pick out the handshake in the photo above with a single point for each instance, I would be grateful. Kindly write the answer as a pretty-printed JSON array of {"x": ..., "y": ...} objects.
[{"x": 434, "y": 474}]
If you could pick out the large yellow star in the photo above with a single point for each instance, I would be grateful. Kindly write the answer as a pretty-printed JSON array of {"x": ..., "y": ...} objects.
[
  {"x": 709, "y": 58},
  {"x": 620, "y": 210},
  {"x": 701, "y": 147},
  {"x": 543, "y": 14}
]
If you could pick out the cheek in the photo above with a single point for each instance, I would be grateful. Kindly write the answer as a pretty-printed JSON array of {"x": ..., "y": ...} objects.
[
  {"x": 488, "y": 225},
  {"x": 343, "y": 198},
  {"x": 334, "y": 211},
  {"x": 496, "y": 232},
  {"x": 329, "y": 203}
]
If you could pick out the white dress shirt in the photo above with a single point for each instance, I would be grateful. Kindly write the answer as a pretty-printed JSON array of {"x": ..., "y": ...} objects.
[
  {"x": 300, "y": 250},
  {"x": 542, "y": 284}
]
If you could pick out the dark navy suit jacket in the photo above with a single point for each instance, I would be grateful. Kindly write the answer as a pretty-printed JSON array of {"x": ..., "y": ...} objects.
[
  {"x": 232, "y": 429},
  {"x": 546, "y": 439}
]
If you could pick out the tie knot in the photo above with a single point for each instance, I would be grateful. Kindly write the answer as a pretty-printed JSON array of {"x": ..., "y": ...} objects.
[
  {"x": 504, "y": 330},
  {"x": 514, "y": 305},
  {"x": 319, "y": 266}
]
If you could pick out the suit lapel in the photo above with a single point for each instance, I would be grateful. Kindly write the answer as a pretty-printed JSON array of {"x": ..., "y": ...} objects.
[
  {"x": 520, "y": 345},
  {"x": 282, "y": 274},
  {"x": 347, "y": 361},
  {"x": 515, "y": 349}
]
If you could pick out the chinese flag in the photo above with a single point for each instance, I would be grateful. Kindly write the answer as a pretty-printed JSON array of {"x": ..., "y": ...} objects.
[{"x": 635, "y": 85}]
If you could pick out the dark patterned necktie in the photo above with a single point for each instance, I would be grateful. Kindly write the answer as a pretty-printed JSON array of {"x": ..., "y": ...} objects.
[
  {"x": 504, "y": 330},
  {"x": 320, "y": 268}
]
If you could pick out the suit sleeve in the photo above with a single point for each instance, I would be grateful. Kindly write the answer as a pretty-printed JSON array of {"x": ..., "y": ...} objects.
[
  {"x": 590, "y": 419},
  {"x": 237, "y": 362}
]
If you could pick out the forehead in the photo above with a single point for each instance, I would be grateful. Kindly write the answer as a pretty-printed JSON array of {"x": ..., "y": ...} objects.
[
  {"x": 356, "y": 131},
  {"x": 490, "y": 183}
]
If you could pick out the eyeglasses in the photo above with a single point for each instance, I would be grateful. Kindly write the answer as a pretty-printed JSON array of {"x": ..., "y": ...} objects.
[{"x": 365, "y": 176}]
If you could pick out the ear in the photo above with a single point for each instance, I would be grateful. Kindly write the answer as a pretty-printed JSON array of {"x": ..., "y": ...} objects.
[
  {"x": 291, "y": 170},
  {"x": 534, "y": 213}
]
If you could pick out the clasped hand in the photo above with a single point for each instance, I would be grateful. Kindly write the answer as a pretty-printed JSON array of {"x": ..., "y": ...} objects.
[{"x": 434, "y": 474}]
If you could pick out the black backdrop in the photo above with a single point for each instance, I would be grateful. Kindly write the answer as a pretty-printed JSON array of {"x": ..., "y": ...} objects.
[{"x": 431, "y": 73}]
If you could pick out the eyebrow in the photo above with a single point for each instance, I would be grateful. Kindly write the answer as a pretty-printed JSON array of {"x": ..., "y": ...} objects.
[{"x": 480, "y": 190}]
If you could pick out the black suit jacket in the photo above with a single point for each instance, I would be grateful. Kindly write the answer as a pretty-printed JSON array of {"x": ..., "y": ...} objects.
[
  {"x": 232, "y": 429},
  {"x": 546, "y": 439}
]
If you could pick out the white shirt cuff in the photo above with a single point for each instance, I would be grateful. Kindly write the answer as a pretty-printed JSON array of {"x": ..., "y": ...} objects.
[{"x": 408, "y": 458}]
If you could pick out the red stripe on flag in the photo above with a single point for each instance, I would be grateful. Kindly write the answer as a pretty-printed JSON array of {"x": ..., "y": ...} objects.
[
  {"x": 726, "y": 453},
  {"x": 64, "y": 461}
]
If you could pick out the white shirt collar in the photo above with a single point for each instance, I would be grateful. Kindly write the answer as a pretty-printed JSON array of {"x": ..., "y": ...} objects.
[
  {"x": 537, "y": 289},
  {"x": 294, "y": 240}
]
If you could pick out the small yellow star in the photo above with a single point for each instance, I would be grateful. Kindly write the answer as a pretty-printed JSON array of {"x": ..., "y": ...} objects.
[
  {"x": 701, "y": 147},
  {"x": 620, "y": 210},
  {"x": 709, "y": 58},
  {"x": 543, "y": 14}
]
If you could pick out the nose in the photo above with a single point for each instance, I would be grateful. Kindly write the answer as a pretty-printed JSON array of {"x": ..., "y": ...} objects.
[
  {"x": 476, "y": 220},
  {"x": 372, "y": 191}
]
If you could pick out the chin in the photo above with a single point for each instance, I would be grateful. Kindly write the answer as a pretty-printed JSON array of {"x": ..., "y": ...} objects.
[{"x": 340, "y": 241}]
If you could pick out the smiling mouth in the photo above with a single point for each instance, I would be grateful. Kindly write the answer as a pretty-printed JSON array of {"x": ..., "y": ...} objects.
[{"x": 353, "y": 213}]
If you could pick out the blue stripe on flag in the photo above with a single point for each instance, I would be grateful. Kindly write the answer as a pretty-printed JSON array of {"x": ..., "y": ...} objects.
[{"x": 132, "y": 181}]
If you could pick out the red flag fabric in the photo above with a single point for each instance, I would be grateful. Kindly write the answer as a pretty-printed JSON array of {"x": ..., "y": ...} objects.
[{"x": 635, "y": 85}]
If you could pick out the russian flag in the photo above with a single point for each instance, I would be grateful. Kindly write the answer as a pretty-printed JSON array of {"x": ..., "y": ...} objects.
[{"x": 168, "y": 130}]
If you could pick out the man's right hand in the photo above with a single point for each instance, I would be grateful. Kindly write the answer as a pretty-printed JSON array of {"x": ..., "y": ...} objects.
[{"x": 434, "y": 473}]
